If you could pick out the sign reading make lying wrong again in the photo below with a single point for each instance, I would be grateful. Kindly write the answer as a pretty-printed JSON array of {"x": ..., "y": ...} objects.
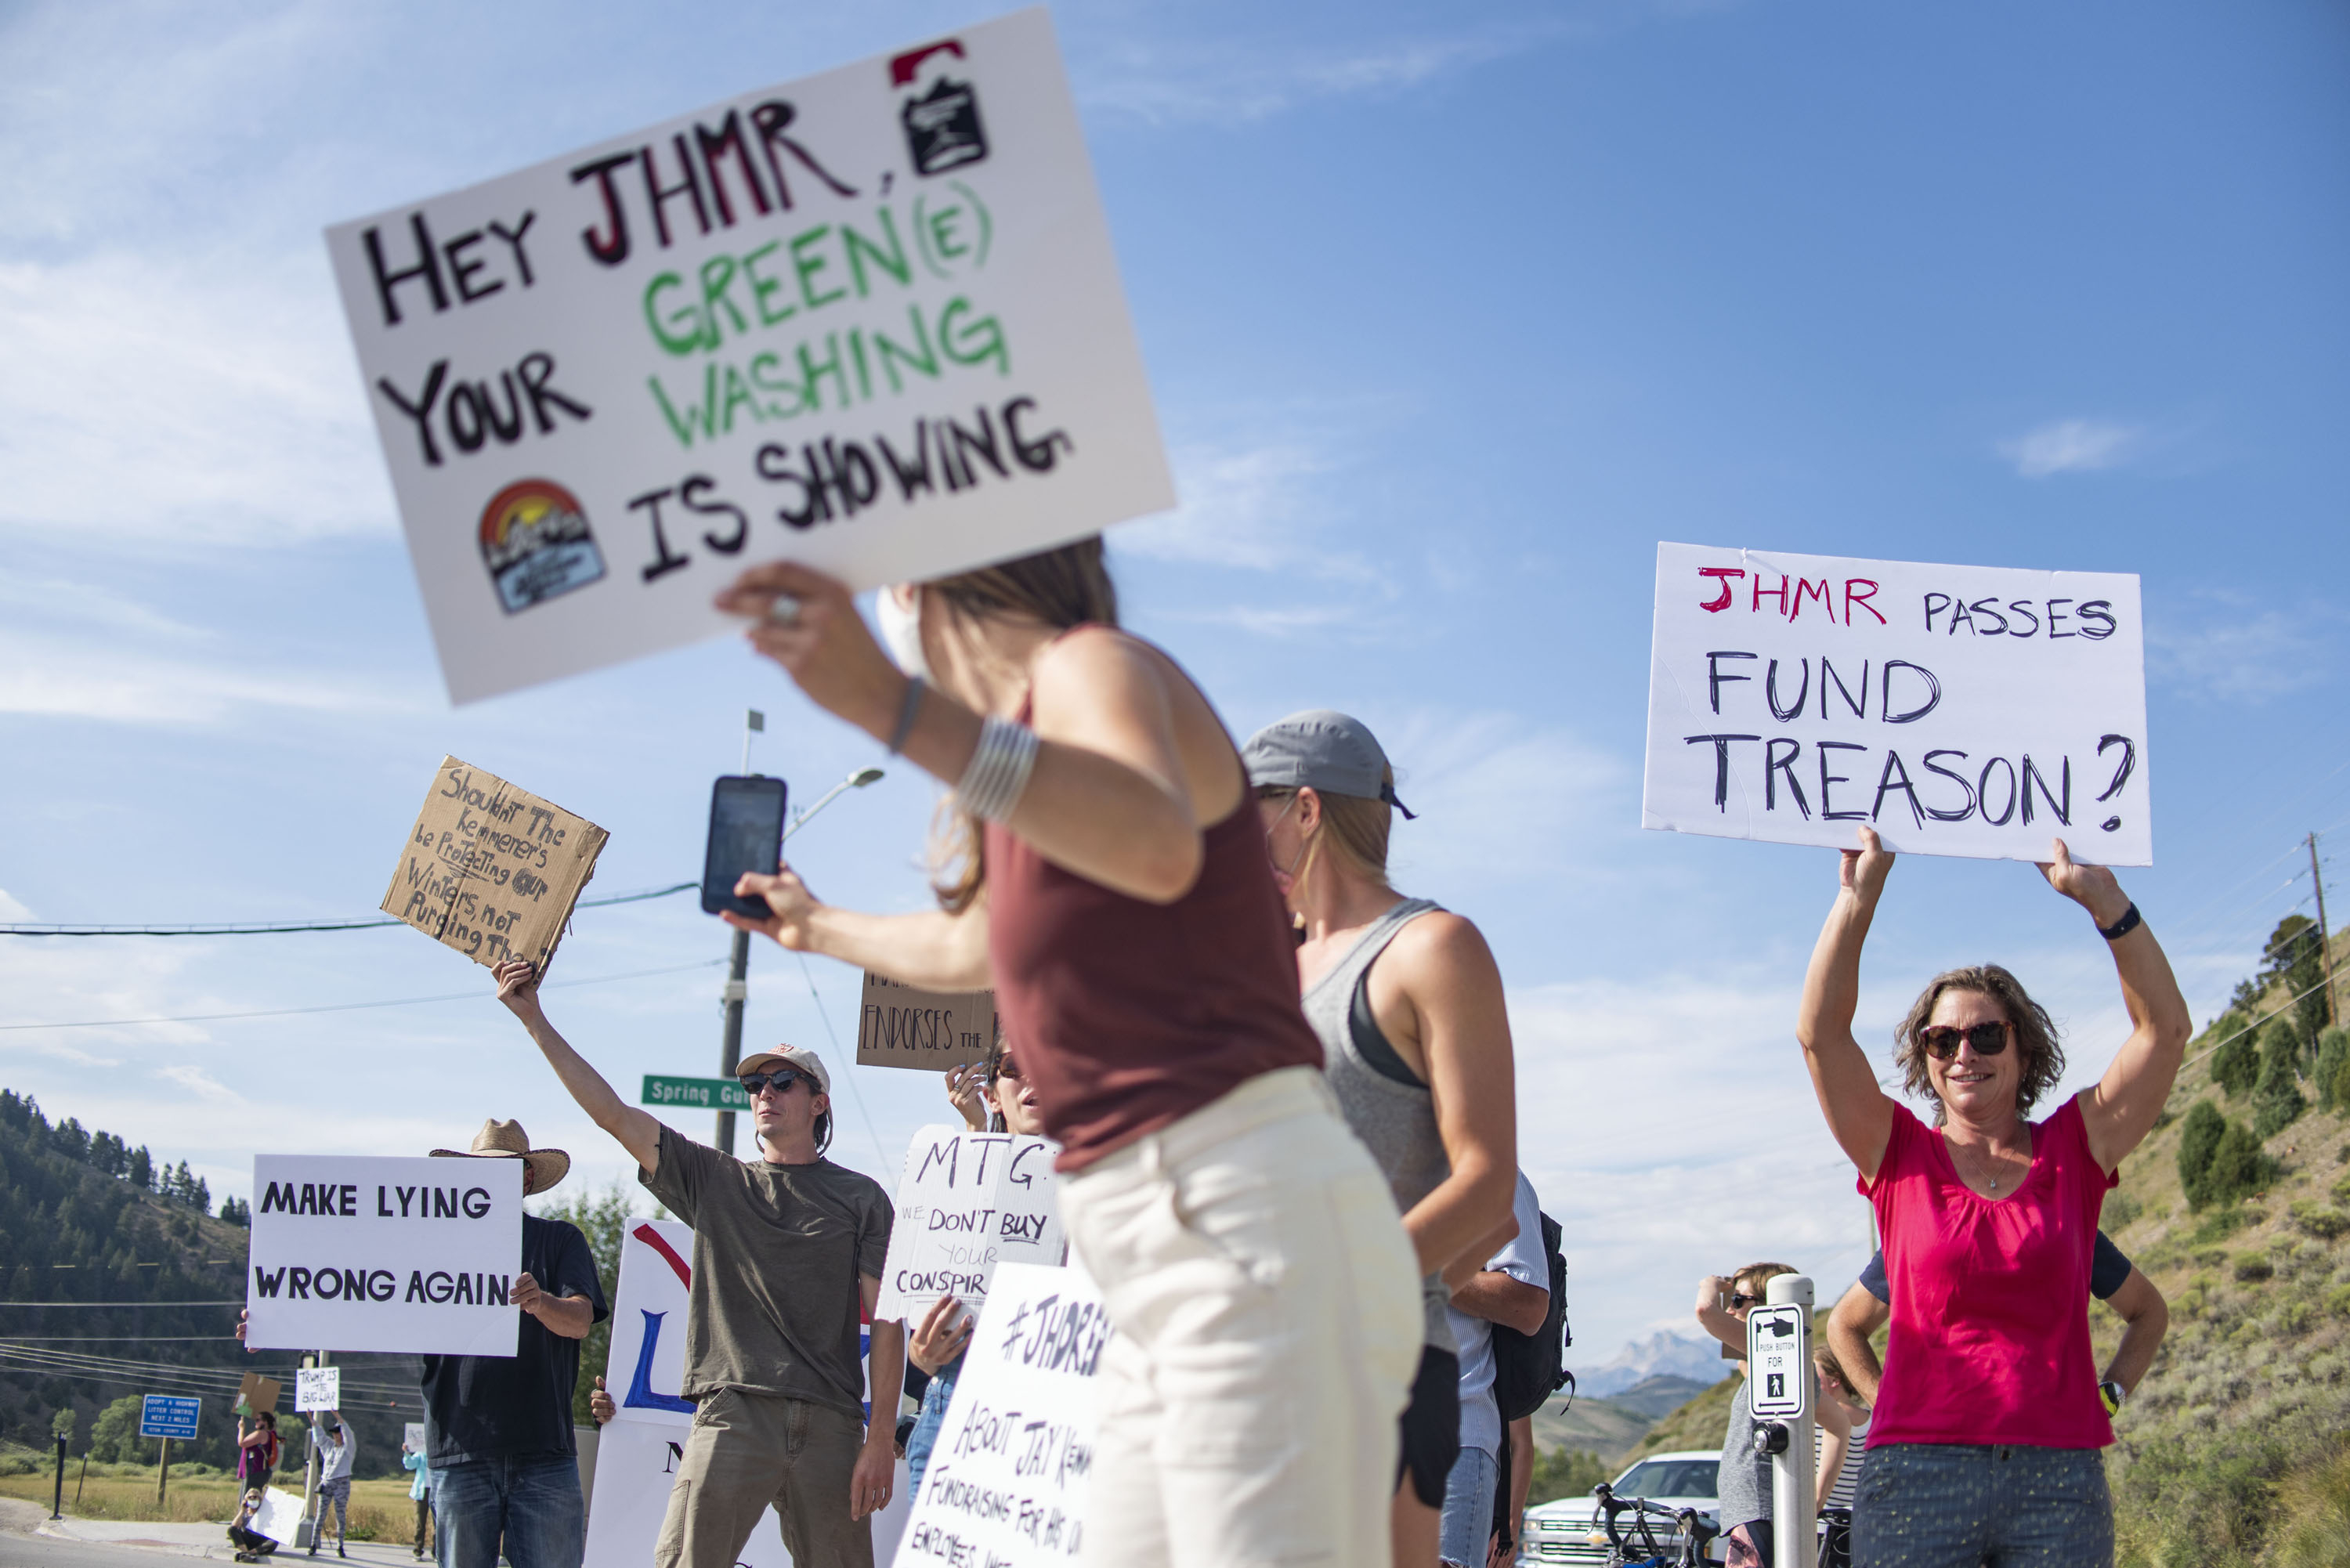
[
  {"x": 361, "y": 1252},
  {"x": 868, "y": 320},
  {"x": 1968, "y": 710}
]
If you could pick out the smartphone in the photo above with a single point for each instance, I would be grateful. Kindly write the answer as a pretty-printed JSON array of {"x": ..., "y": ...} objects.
[{"x": 746, "y": 834}]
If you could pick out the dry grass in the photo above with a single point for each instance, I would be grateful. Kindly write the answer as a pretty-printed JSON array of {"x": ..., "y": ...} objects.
[{"x": 380, "y": 1509}]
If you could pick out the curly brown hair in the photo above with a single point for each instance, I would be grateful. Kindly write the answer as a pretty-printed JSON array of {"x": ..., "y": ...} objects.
[{"x": 2037, "y": 1046}]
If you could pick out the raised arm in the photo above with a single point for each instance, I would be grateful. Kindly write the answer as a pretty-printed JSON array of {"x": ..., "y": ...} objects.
[
  {"x": 635, "y": 1129},
  {"x": 1858, "y": 1114},
  {"x": 1716, "y": 1319},
  {"x": 2121, "y": 1109}
]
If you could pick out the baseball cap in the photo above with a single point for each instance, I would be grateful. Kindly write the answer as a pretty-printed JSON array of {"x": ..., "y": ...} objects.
[
  {"x": 1323, "y": 750},
  {"x": 807, "y": 1062}
]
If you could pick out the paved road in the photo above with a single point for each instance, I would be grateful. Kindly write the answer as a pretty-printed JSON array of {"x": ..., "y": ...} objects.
[{"x": 19, "y": 1548}]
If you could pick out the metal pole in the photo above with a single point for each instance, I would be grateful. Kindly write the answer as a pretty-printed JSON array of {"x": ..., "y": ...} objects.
[
  {"x": 730, "y": 1040},
  {"x": 162, "y": 1471},
  {"x": 1793, "y": 1496},
  {"x": 82, "y": 1479},
  {"x": 2325, "y": 942},
  {"x": 57, "y": 1502}
]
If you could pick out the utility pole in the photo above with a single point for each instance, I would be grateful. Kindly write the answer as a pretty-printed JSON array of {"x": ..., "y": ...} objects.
[{"x": 2325, "y": 942}]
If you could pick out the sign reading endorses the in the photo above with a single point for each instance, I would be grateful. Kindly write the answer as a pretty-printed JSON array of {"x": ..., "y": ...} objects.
[
  {"x": 492, "y": 870},
  {"x": 1966, "y": 711},
  {"x": 868, "y": 320},
  {"x": 929, "y": 1031},
  {"x": 361, "y": 1252},
  {"x": 967, "y": 1201}
]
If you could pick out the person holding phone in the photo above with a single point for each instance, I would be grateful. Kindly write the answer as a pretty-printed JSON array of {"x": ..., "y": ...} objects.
[
  {"x": 1986, "y": 1437},
  {"x": 1113, "y": 888}
]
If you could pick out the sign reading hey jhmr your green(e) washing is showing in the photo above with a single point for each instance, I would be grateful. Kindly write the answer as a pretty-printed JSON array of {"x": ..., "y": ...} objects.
[{"x": 868, "y": 320}]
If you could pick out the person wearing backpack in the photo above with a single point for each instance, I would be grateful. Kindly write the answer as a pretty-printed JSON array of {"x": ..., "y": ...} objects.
[
  {"x": 258, "y": 1449},
  {"x": 1510, "y": 1292}
]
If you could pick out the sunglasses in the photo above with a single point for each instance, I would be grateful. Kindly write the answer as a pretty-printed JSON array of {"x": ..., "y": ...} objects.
[
  {"x": 781, "y": 1081},
  {"x": 1737, "y": 1300},
  {"x": 1941, "y": 1040}
]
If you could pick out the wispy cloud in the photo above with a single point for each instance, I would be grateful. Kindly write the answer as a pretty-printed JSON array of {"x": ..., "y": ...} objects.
[
  {"x": 70, "y": 677},
  {"x": 2072, "y": 446},
  {"x": 2254, "y": 658},
  {"x": 1501, "y": 796},
  {"x": 12, "y": 909}
]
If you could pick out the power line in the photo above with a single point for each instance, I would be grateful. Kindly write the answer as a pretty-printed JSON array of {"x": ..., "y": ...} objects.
[
  {"x": 238, "y": 1302},
  {"x": 280, "y": 927},
  {"x": 353, "y": 1006}
]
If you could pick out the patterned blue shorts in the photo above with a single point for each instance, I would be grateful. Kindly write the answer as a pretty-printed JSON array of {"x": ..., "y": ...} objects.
[{"x": 1950, "y": 1505}]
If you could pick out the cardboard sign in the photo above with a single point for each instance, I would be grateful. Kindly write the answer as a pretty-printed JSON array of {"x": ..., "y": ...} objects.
[
  {"x": 966, "y": 1202},
  {"x": 255, "y": 1394},
  {"x": 362, "y": 1253},
  {"x": 492, "y": 870},
  {"x": 868, "y": 320},
  {"x": 1006, "y": 1483},
  {"x": 929, "y": 1031},
  {"x": 637, "y": 1452},
  {"x": 411, "y": 1436},
  {"x": 1966, "y": 711},
  {"x": 168, "y": 1416},
  {"x": 316, "y": 1387}
]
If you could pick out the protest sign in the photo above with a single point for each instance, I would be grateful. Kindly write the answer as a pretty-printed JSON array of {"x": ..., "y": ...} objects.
[
  {"x": 255, "y": 1394},
  {"x": 1966, "y": 711},
  {"x": 868, "y": 320},
  {"x": 492, "y": 870},
  {"x": 279, "y": 1513},
  {"x": 317, "y": 1387},
  {"x": 966, "y": 1202},
  {"x": 637, "y": 1452},
  {"x": 363, "y": 1253},
  {"x": 1006, "y": 1483},
  {"x": 929, "y": 1031},
  {"x": 411, "y": 1436}
]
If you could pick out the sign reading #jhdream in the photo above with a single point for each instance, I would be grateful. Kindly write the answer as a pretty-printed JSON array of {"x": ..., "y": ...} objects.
[
  {"x": 868, "y": 320},
  {"x": 1966, "y": 711},
  {"x": 362, "y": 1253}
]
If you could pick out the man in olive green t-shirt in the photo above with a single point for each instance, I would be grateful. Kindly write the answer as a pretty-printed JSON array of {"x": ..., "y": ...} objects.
[{"x": 787, "y": 1256}]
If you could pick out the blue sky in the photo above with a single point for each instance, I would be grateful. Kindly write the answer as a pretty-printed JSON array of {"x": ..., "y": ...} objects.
[{"x": 1451, "y": 312}]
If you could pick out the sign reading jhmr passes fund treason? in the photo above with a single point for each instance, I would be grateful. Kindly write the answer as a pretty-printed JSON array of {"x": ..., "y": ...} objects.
[
  {"x": 1966, "y": 711},
  {"x": 492, "y": 870},
  {"x": 967, "y": 1201},
  {"x": 868, "y": 320},
  {"x": 1008, "y": 1477},
  {"x": 363, "y": 1253}
]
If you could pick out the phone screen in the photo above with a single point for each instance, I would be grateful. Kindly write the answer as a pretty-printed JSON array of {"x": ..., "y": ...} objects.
[{"x": 746, "y": 834}]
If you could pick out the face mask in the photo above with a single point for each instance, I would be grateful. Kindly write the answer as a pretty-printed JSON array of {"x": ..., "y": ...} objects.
[
  {"x": 1286, "y": 880},
  {"x": 901, "y": 630}
]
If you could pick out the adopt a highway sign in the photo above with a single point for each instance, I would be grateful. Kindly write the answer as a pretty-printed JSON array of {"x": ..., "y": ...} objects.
[{"x": 168, "y": 1416}]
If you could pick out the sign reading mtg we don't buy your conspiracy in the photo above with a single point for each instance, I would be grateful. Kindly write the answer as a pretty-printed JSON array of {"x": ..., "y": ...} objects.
[
  {"x": 868, "y": 320},
  {"x": 1965, "y": 711}
]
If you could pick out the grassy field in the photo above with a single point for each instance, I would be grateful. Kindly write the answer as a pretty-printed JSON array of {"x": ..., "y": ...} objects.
[{"x": 380, "y": 1509}]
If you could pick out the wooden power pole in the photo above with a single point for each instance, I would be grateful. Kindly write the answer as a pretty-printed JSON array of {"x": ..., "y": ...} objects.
[{"x": 2325, "y": 940}]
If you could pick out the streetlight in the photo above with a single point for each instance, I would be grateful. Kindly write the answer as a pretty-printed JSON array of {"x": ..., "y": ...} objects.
[{"x": 730, "y": 1047}]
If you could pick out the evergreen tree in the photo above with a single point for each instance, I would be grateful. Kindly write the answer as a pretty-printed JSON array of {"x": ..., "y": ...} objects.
[
  {"x": 2276, "y": 1098},
  {"x": 237, "y": 1211},
  {"x": 140, "y": 1168},
  {"x": 2333, "y": 1055},
  {"x": 2236, "y": 1065},
  {"x": 2197, "y": 1140}
]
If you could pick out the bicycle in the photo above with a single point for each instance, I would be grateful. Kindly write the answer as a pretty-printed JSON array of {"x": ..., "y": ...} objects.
[{"x": 1691, "y": 1531}]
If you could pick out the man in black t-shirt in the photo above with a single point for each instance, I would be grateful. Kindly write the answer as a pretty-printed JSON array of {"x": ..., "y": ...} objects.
[{"x": 497, "y": 1429}]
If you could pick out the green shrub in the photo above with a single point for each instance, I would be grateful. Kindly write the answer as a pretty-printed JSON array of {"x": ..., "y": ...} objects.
[
  {"x": 2121, "y": 1211},
  {"x": 2252, "y": 1266},
  {"x": 2337, "y": 1301},
  {"x": 2333, "y": 1055},
  {"x": 2312, "y": 1523},
  {"x": 2236, "y": 1066},
  {"x": 2276, "y": 1097},
  {"x": 1567, "y": 1472},
  {"x": 2319, "y": 1221},
  {"x": 2239, "y": 1167},
  {"x": 2197, "y": 1140}
]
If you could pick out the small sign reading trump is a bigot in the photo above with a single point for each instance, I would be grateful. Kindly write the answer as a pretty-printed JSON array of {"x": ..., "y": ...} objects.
[{"x": 360, "y": 1252}]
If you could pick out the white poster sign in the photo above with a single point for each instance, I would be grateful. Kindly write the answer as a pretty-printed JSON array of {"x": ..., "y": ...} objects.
[
  {"x": 1970, "y": 711},
  {"x": 966, "y": 1202},
  {"x": 1006, "y": 1483},
  {"x": 318, "y": 1389},
  {"x": 279, "y": 1513},
  {"x": 362, "y": 1253},
  {"x": 868, "y": 320},
  {"x": 411, "y": 1434},
  {"x": 637, "y": 1452}
]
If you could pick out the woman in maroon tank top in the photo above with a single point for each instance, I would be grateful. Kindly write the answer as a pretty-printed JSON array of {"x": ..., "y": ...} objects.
[{"x": 1114, "y": 890}]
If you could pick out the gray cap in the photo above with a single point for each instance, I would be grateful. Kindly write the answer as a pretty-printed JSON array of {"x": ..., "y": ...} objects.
[{"x": 1321, "y": 750}]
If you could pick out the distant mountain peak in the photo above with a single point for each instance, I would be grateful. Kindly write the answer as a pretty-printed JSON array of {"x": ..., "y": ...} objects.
[{"x": 1663, "y": 1354}]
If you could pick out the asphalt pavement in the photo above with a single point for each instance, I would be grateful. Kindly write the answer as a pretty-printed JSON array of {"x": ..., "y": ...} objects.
[{"x": 29, "y": 1539}]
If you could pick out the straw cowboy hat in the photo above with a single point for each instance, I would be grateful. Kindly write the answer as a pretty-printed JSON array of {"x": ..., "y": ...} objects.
[{"x": 507, "y": 1140}]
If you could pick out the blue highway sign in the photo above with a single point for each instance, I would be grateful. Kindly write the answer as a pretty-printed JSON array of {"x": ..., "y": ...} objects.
[{"x": 168, "y": 1416}]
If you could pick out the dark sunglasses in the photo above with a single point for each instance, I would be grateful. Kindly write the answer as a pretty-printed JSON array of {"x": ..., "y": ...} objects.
[
  {"x": 783, "y": 1081},
  {"x": 1738, "y": 1299},
  {"x": 1941, "y": 1041}
]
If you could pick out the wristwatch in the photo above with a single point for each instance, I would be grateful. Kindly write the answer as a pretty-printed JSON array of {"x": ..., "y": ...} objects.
[{"x": 2113, "y": 1394}]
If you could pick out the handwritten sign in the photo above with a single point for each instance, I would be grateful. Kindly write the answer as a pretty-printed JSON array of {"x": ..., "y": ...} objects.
[
  {"x": 492, "y": 870},
  {"x": 255, "y": 1394},
  {"x": 967, "y": 1201},
  {"x": 929, "y": 1031},
  {"x": 868, "y": 320},
  {"x": 1966, "y": 711},
  {"x": 1006, "y": 1483},
  {"x": 316, "y": 1387},
  {"x": 365, "y": 1252}
]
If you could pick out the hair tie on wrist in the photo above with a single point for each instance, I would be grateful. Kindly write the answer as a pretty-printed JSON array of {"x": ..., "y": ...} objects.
[
  {"x": 907, "y": 708},
  {"x": 2131, "y": 919}
]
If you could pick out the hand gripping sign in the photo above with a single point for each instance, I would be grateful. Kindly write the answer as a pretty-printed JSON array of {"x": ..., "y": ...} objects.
[
  {"x": 1968, "y": 710},
  {"x": 868, "y": 320}
]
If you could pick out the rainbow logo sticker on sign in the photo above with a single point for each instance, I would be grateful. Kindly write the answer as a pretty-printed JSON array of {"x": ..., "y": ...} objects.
[{"x": 537, "y": 544}]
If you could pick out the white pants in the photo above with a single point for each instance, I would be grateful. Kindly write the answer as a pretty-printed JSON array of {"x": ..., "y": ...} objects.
[{"x": 1267, "y": 1324}]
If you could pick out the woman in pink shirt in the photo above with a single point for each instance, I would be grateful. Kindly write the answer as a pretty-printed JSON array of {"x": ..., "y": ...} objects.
[{"x": 1985, "y": 1443}]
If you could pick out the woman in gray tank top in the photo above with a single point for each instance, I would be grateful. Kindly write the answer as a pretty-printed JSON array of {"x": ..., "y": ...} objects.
[{"x": 1409, "y": 1005}]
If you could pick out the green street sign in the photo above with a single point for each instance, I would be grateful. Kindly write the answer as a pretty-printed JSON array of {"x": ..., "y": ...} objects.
[{"x": 695, "y": 1093}]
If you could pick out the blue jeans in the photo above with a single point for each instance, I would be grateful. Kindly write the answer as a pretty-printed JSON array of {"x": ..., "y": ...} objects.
[
  {"x": 1950, "y": 1505},
  {"x": 925, "y": 1435},
  {"x": 1467, "y": 1528},
  {"x": 531, "y": 1506}
]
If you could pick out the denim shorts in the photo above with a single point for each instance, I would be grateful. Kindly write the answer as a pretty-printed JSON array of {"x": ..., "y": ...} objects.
[{"x": 1952, "y": 1505}]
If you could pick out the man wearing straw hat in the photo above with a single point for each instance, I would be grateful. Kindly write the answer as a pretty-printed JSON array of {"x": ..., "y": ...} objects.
[{"x": 497, "y": 1429}]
